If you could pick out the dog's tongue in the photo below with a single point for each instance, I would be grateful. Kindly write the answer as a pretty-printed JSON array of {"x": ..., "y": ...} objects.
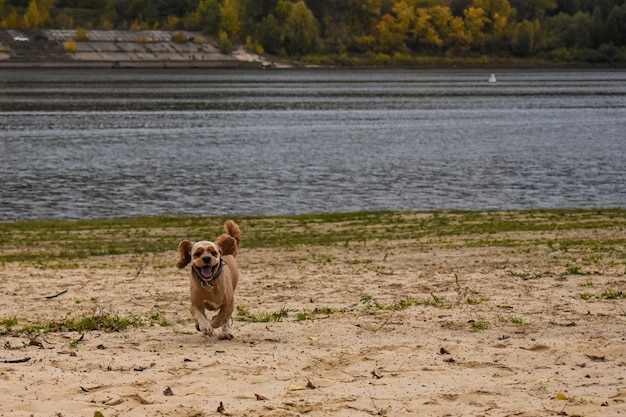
[{"x": 206, "y": 271}]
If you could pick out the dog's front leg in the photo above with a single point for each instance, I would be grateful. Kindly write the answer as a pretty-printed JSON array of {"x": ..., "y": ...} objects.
[
  {"x": 202, "y": 324},
  {"x": 223, "y": 319}
]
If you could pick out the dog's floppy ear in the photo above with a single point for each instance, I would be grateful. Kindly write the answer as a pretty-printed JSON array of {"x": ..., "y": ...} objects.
[
  {"x": 184, "y": 251},
  {"x": 227, "y": 245}
]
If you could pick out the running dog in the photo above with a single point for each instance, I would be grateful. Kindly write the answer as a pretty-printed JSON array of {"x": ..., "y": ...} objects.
[{"x": 213, "y": 280}]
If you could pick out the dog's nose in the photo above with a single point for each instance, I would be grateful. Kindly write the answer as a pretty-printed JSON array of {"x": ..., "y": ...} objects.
[{"x": 206, "y": 259}]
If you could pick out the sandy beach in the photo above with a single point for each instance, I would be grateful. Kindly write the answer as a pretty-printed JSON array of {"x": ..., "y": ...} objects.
[{"x": 390, "y": 327}]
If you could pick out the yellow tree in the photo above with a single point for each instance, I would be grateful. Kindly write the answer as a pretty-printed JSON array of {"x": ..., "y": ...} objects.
[
  {"x": 230, "y": 22},
  {"x": 475, "y": 21},
  {"x": 390, "y": 34},
  {"x": 31, "y": 18},
  {"x": 425, "y": 32}
]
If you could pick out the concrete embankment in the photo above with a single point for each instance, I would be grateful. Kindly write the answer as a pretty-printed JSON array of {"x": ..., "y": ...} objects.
[{"x": 117, "y": 49}]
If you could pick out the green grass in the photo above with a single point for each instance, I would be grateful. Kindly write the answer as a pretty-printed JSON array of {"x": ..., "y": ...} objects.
[{"x": 65, "y": 242}]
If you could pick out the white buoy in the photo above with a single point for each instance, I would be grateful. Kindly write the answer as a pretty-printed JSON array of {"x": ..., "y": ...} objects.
[{"x": 492, "y": 78}]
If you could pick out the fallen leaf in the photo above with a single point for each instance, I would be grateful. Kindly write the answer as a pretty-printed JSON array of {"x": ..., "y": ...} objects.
[
  {"x": 168, "y": 392},
  {"x": 560, "y": 396},
  {"x": 595, "y": 358},
  {"x": 220, "y": 408},
  {"x": 260, "y": 397},
  {"x": 295, "y": 388},
  {"x": 449, "y": 360},
  {"x": 376, "y": 374},
  {"x": 313, "y": 338},
  {"x": 98, "y": 414},
  {"x": 444, "y": 351},
  {"x": 310, "y": 385}
]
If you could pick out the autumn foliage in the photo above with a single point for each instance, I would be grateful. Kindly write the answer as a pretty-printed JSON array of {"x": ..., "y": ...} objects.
[{"x": 557, "y": 30}]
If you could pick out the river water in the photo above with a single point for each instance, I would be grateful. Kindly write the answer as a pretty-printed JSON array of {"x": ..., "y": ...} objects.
[{"x": 83, "y": 144}]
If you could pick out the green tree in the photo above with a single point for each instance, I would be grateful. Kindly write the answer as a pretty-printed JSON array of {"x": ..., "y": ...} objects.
[
  {"x": 522, "y": 41},
  {"x": 301, "y": 30},
  {"x": 270, "y": 35},
  {"x": 616, "y": 26},
  {"x": 206, "y": 17}
]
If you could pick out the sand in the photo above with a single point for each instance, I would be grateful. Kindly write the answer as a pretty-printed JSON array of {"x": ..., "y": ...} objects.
[{"x": 490, "y": 331}]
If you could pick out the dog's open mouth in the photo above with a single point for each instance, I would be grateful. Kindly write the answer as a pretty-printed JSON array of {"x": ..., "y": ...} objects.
[{"x": 206, "y": 271}]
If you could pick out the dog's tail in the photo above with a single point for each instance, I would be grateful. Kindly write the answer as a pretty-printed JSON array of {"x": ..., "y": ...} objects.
[{"x": 230, "y": 241}]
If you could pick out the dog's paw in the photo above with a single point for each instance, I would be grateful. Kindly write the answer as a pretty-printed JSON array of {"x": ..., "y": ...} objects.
[
  {"x": 205, "y": 330},
  {"x": 226, "y": 336}
]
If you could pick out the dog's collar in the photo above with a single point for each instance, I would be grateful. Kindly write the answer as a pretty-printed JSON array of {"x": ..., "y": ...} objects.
[{"x": 217, "y": 271}]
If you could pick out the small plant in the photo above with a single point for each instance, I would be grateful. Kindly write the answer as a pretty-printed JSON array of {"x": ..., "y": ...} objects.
[
  {"x": 8, "y": 323},
  {"x": 586, "y": 296},
  {"x": 81, "y": 35},
  {"x": 586, "y": 284},
  {"x": 612, "y": 295},
  {"x": 225, "y": 44},
  {"x": 574, "y": 270},
  {"x": 70, "y": 46},
  {"x": 244, "y": 315},
  {"x": 480, "y": 325},
  {"x": 141, "y": 39},
  {"x": 179, "y": 37},
  {"x": 158, "y": 318},
  {"x": 513, "y": 319}
]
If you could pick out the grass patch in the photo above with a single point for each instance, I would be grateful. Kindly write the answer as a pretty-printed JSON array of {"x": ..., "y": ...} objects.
[
  {"x": 262, "y": 317},
  {"x": 513, "y": 319},
  {"x": 479, "y": 325},
  {"x": 98, "y": 322},
  {"x": 65, "y": 242}
]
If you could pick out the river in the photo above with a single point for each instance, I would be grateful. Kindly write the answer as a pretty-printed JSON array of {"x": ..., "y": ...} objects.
[{"x": 85, "y": 144}]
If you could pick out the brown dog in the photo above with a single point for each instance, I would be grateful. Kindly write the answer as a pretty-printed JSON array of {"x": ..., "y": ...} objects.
[{"x": 214, "y": 276}]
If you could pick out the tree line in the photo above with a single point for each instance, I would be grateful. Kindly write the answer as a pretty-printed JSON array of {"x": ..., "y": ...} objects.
[{"x": 592, "y": 31}]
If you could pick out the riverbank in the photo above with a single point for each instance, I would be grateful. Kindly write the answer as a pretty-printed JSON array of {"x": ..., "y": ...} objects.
[
  {"x": 358, "y": 314},
  {"x": 47, "y": 48}
]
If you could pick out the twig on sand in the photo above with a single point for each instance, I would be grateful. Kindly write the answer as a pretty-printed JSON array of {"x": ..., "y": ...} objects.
[
  {"x": 21, "y": 360},
  {"x": 50, "y": 297}
]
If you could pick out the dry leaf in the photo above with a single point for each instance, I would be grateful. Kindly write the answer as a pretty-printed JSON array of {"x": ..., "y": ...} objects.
[
  {"x": 260, "y": 397},
  {"x": 444, "y": 351},
  {"x": 220, "y": 408},
  {"x": 310, "y": 385},
  {"x": 168, "y": 392},
  {"x": 560, "y": 396},
  {"x": 295, "y": 388},
  {"x": 376, "y": 374}
]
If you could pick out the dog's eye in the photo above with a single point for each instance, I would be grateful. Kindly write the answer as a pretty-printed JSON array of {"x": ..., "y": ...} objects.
[
  {"x": 213, "y": 253},
  {"x": 197, "y": 254}
]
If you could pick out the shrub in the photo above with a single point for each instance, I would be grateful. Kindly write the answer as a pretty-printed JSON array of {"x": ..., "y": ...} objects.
[
  {"x": 71, "y": 46},
  {"x": 81, "y": 35},
  {"x": 179, "y": 37}
]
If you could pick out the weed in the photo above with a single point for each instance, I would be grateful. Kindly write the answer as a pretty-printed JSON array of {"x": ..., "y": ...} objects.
[
  {"x": 586, "y": 284},
  {"x": 513, "y": 319},
  {"x": 480, "y": 325},
  {"x": 8, "y": 323},
  {"x": 574, "y": 270},
  {"x": 157, "y": 317},
  {"x": 612, "y": 295},
  {"x": 586, "y": 296},
  {"x": 265, "y": 317}
]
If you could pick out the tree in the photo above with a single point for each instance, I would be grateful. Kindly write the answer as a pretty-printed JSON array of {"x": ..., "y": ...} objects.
[
  {"x": 616, "y": 25},
  {"x": 270, "y": 35},
  {"x": 206, "y": 17},
  {"x": 301, "y": 30},
  {"x": 475, "y": 21},
  {"x": 522, "y": 41},
  {"x": 230, "y": 22}
]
